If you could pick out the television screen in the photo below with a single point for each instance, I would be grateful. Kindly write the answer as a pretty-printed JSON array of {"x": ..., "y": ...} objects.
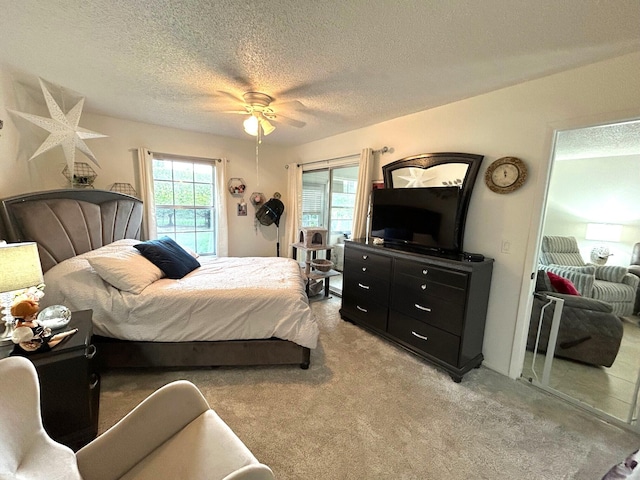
[{"x": 423, "y": 218}]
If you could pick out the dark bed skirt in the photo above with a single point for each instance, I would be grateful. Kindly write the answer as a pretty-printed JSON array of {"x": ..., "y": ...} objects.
[{"x": 112, "y": 353}]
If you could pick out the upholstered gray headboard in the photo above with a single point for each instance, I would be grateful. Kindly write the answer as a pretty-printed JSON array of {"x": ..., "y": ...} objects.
[{"x": 66, "y": 223}]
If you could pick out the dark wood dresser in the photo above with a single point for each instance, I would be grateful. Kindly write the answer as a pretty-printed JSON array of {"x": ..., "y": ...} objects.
[
  {"x": 69, "y": 384},
  {"x": 434, "y": 307}
]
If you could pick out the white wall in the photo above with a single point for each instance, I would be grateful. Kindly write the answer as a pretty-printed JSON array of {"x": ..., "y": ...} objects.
[
  {"x": 596, "y": 190},
  {"x": 516, "y": 121},
  {"x": 117, "y": 157}
]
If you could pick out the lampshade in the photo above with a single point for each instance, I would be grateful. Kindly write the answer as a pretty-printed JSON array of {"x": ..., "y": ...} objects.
[
  {"x": 603, "y": 232},
  {"x": 251, "y": 125},
  {"x": 20, "y": 266},
  {"x": 267, "y": 127},
  {"x": 256, "y": 121}
]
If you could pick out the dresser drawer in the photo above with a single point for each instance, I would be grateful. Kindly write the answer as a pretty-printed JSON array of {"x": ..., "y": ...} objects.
[
  {"x": 425, "y": 286},
  {"x": 427, "y": 339},
  {"x": 363, "y": 309},
  {"x": 366, "y": 262},
  {"x": 365, "y": 283},
  {"x": 435, "y": 274},
  {"x": 428, "y": 308}
]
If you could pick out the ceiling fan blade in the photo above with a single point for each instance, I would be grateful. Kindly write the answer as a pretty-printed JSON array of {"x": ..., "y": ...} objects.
[
  {"x": 229, "y": 95},
  {"x": 277, "y": 118},
  {"x": 290, "y": 105},
  {"x": 238, "y": 112}
]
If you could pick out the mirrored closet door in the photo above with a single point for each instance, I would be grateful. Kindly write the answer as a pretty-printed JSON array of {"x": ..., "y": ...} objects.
[{"x": 592, "y": 216}]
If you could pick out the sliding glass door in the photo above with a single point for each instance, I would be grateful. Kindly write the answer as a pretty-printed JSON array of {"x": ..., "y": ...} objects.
[{"x": 328, "y": 199}]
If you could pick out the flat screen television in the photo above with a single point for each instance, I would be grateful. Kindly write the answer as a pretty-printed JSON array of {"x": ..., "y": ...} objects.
[{"x": 425, "y": 220}]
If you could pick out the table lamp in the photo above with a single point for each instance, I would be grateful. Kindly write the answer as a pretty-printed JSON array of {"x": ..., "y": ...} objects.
[
  {"x": 602, "y": 232},
  {"x": 20, "y": 268}
]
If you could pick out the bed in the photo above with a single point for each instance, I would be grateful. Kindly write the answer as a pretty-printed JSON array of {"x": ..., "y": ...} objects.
[{"x": 229, "y": 311}]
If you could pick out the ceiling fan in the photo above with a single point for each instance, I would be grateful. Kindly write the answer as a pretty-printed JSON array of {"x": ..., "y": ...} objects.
[{"x": 261, "y": 115}]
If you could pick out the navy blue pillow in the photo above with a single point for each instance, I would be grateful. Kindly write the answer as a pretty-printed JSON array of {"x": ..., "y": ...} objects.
[{"x": 168, "y": 256}]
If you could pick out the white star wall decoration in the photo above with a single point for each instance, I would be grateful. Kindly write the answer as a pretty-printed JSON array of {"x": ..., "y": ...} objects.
[
  {"x": 416, "y": 178},
  {"x": 63, "y": 129}
]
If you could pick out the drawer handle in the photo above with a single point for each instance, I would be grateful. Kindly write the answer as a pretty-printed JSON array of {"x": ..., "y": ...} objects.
[
  {"x": 364, "y": 257},
  {"x": 362, "y": 309},
  {"x": 366, "y": 287},
  {"x": 421, "y": 337},
  {"x": 364, "y": 269},
  {"x": 423, "y": 286},
  {"x": 91, "y": 351},
  {"x": 426, "y": 309},
  {"x": 94, "y": 381},
  {"x": 425, "y": 271}
]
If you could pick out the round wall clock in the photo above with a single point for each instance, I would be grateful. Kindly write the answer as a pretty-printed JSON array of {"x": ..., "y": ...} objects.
[{"x": 506, "y": 174}]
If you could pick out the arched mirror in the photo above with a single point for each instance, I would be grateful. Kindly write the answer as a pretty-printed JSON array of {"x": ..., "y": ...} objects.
[{"x": 437, "y": 170}]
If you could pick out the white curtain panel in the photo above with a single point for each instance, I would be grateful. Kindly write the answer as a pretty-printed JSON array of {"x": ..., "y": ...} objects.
[
  {"x": 222, "y": 237},
  {"x": 293, "y": 208},
  {"x": 363, "y": 195},
  {"x": 145, "y": 173}
]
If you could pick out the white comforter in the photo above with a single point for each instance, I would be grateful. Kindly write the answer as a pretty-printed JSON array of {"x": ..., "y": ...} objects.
[{"x": 224, "y": 299}]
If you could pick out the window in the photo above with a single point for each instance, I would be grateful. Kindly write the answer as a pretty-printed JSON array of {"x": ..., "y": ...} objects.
[{"x": 184, "y": 195}]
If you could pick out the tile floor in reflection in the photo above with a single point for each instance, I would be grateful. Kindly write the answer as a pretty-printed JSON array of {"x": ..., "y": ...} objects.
[{"x": 607, "y": 389}]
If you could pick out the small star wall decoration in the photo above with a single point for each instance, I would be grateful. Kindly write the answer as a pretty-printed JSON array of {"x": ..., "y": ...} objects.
[{"x": 63, "y": 129}]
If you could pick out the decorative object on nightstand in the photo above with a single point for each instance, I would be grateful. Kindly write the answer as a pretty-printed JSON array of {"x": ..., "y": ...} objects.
[
  {"x": 54, "y": 317},
  {"x": 506, "y": 175},
  {"x": 20, "y": 267},
  {"x": 125, "y": 188},
  {"x": 83, "y": 175},
  {"x": 602, "y": 232}
]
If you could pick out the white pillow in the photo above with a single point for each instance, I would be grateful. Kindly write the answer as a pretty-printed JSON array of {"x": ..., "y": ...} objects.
[{"x": 125, "y": 268}]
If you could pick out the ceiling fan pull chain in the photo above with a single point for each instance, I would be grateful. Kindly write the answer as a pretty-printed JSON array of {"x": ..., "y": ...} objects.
[{"x": 258, "y": 158}]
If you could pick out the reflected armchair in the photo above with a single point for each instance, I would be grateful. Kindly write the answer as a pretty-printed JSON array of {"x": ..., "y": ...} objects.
[
  {"x": 609, "y": 283},
  {"x": 634, "y": 268}
]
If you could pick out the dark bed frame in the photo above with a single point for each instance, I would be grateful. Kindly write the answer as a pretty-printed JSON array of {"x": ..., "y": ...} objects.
[{"x": 69, "y": 222}]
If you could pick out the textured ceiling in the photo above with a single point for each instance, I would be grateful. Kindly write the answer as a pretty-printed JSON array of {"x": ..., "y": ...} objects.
[
  {"x": 619, "y": 139},
  {"x": 350, "y": 63}
]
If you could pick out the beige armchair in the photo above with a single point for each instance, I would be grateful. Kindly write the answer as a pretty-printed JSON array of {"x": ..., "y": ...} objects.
[
  {"x": 608, "y": 283},
  {"x": 172, "y": 434}
]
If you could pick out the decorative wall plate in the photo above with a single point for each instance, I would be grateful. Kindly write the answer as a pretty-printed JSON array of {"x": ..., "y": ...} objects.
[{"x": 506, "y": 175}]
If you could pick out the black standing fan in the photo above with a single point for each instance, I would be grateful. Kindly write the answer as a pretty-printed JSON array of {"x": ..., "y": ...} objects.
[{"x": 270, "y": 212}]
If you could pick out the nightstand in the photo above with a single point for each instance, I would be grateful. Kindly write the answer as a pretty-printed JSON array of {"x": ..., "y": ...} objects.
[{"x": 69, "y": 384}]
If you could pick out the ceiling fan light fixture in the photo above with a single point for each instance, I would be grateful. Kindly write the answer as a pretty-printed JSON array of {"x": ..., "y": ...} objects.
[
  {"x": 251, "y": 125},
  {"x": 266, "y": 125}
]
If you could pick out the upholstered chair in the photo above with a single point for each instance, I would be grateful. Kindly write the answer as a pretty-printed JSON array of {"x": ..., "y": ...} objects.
[
  {"x": 589, "y": 332},
  {"x": 609, "y": 283},
  {"x": 172, "y": 434},
  {"x": 634, "y": 268}
]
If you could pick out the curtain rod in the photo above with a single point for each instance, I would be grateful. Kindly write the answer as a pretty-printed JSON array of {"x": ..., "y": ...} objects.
[
  {"x": 381, "y": 151},
  {"x": 177, "y": 156}
]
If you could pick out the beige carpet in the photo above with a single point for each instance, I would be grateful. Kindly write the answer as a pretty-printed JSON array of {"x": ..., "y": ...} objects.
[{"x": 369, "y": 410}]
